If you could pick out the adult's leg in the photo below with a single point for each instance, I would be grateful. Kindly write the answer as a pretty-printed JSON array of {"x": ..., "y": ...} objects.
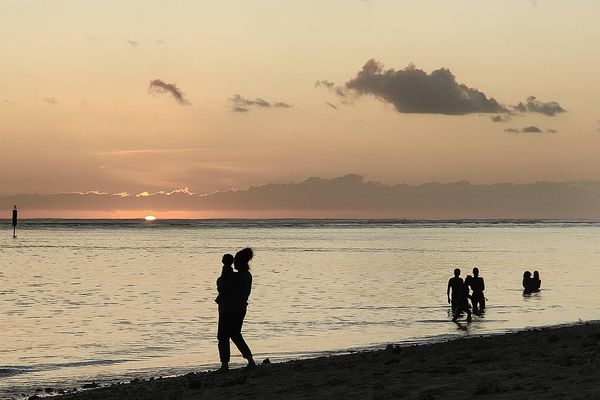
[
  {"x": 476, "y": 304},
  {"x": 223, "y": 335},
  {"x": 236, "y": 335}
]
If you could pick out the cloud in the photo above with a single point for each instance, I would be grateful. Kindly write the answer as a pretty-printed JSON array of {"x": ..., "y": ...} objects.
[
  {"x": 325, "y": 84},
  {"x": 532, "y": 105},
  {"x": 349, "y": 196},
  {"x": 500, "y": 118},
  {"x": 528, "y": 129},
  {"x": 412, "y": 90},
  {"x": 133, "y": 43},
  {"x": 238, "y": 103},
  {"x": 6, "y": 102},
  {"x": 341, "y": 91},
  {"x": 550, "y": 130},
  {"x": 50, "y": 100},
  {"x": 598, "y": 127},
  {"x": 331, "y": 105},
  {"x": 158, "y": 86}
]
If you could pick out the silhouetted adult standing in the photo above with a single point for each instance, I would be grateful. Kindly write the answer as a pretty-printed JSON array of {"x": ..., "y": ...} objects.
[
  {"x": 456, "y": 284},
  {"x": 232, "y": 310},
  {"x": 536, "y": 282},
  {"x": 478, "y": 286}
]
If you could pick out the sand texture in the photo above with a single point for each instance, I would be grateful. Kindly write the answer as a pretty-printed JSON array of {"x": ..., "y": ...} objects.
[{"x": 549, "y": 363}]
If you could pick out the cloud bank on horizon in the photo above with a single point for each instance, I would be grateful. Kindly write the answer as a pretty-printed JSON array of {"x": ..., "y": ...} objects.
[{"x": 348, "y": 196}]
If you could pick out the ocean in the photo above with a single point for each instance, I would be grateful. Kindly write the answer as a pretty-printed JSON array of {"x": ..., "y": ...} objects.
[{"x": 112, "y": 300}]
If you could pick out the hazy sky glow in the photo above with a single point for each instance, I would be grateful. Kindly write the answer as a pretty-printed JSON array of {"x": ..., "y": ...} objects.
[{"x": 136, "y": 95}]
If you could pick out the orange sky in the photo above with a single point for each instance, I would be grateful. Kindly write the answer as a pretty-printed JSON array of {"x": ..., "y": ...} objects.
[{"x": 76, "y": 112}]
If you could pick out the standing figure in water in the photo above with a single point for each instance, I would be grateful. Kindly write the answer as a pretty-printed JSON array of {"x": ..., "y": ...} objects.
[
  {"x": 234, "y": 291},
  {"x": 462, "y": 302},
  {"x": 536, "y": 282},
  {"x": 478, "y": 298},
  {"x": 456, "y": 284}
]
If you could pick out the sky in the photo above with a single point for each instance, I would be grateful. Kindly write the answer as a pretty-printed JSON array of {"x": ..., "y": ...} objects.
[{"x": 147, "y": 96}]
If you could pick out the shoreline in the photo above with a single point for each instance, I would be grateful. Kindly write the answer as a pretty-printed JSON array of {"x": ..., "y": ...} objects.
[{"x": 548, "y": 362}]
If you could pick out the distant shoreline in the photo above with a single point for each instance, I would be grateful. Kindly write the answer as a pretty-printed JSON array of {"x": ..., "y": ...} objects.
[{"x": 539, "y": 363}]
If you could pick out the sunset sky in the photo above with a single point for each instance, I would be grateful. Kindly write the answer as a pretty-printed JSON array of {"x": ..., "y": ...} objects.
[{"x": 135, "y": 96}]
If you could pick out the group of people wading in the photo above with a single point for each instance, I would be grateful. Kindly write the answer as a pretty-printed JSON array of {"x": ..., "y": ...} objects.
[{"x": 460, "y": 292}]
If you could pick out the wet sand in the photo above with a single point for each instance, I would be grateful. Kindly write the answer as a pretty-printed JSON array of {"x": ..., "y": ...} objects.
[{"x": 555, "y": 362}]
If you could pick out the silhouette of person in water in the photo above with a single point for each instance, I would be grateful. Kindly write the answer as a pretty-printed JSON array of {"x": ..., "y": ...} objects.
[
  {"x": 527, "y": 282},
  {"x": 455, "y": 283},
  {"x": 226, "y": 277},
  {"x": 462, "y": 302},
  {"x": 233, "y": 302},
  {"x": 477, "y": 298},
  {"x": 536, "y": 282}
]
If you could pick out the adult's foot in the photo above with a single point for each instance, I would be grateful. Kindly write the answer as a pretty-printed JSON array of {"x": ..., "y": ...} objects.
[
  {"x": 224, "y": 368},
  {"x": 251, "y": 364}
]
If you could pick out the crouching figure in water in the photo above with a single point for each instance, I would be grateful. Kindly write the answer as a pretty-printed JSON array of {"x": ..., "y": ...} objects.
[{"x": 234, "y": 289}]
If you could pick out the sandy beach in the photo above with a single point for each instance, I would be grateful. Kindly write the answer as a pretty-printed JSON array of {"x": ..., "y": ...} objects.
[{"x": 553, "y": 362}]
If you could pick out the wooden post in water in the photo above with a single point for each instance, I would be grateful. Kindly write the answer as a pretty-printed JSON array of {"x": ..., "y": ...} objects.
[{"x": 14, "y": 222}]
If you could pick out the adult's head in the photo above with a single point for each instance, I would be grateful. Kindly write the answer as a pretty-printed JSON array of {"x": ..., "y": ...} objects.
[
  {"x": 242, "y": 259},
  {"x": 526, "y": 274},
  {"x": 456, "y": 272},
  {"x": 536, "y": 275},
  {"x": 476, "y": 272}
]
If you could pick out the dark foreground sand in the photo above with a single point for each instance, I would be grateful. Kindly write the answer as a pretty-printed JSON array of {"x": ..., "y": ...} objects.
[{"x": 550, "y": 363}]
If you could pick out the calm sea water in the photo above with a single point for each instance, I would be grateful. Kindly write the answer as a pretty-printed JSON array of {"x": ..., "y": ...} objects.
[{"x": 101, "y": 301}]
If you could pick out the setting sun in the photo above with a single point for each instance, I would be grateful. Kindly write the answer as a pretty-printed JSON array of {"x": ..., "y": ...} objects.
[{"x": 150, "y": 218}]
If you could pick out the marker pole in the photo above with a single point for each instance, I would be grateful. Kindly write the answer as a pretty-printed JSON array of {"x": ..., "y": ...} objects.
[{"x": 14, "y": 222}]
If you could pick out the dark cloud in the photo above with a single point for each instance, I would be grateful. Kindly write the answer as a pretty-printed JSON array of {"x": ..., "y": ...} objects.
[
  {"x": 349, "y": 196},
  {"x": 531, "y": 129},
  {"x": 532, "y": 105},
  {"x": 527, "y": 129},
  {"x": 238, "y": 103},
  {"x": 133, "y": 43},
  {"x": 412, "y": 90},
  {"x": 331, "y": 105},
  {"x": 500, "y": 118},
  {"x": 158, "y": 86},
  {"x": 325, "y": 84},
  {"x": 50, "y": 100},
  {"x": 341, "y": 91}
]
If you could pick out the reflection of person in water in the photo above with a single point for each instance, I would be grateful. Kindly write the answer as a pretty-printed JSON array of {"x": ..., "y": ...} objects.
[
  {"x": 455, "y": 283},
  {"x": 462, "y": 302},
  {"x": 477, "y": 298},
  {"x": 536, "y": 282}
]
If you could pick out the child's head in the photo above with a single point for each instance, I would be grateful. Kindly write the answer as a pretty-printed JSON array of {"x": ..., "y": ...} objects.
[{"x": 227, "y": 259}]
